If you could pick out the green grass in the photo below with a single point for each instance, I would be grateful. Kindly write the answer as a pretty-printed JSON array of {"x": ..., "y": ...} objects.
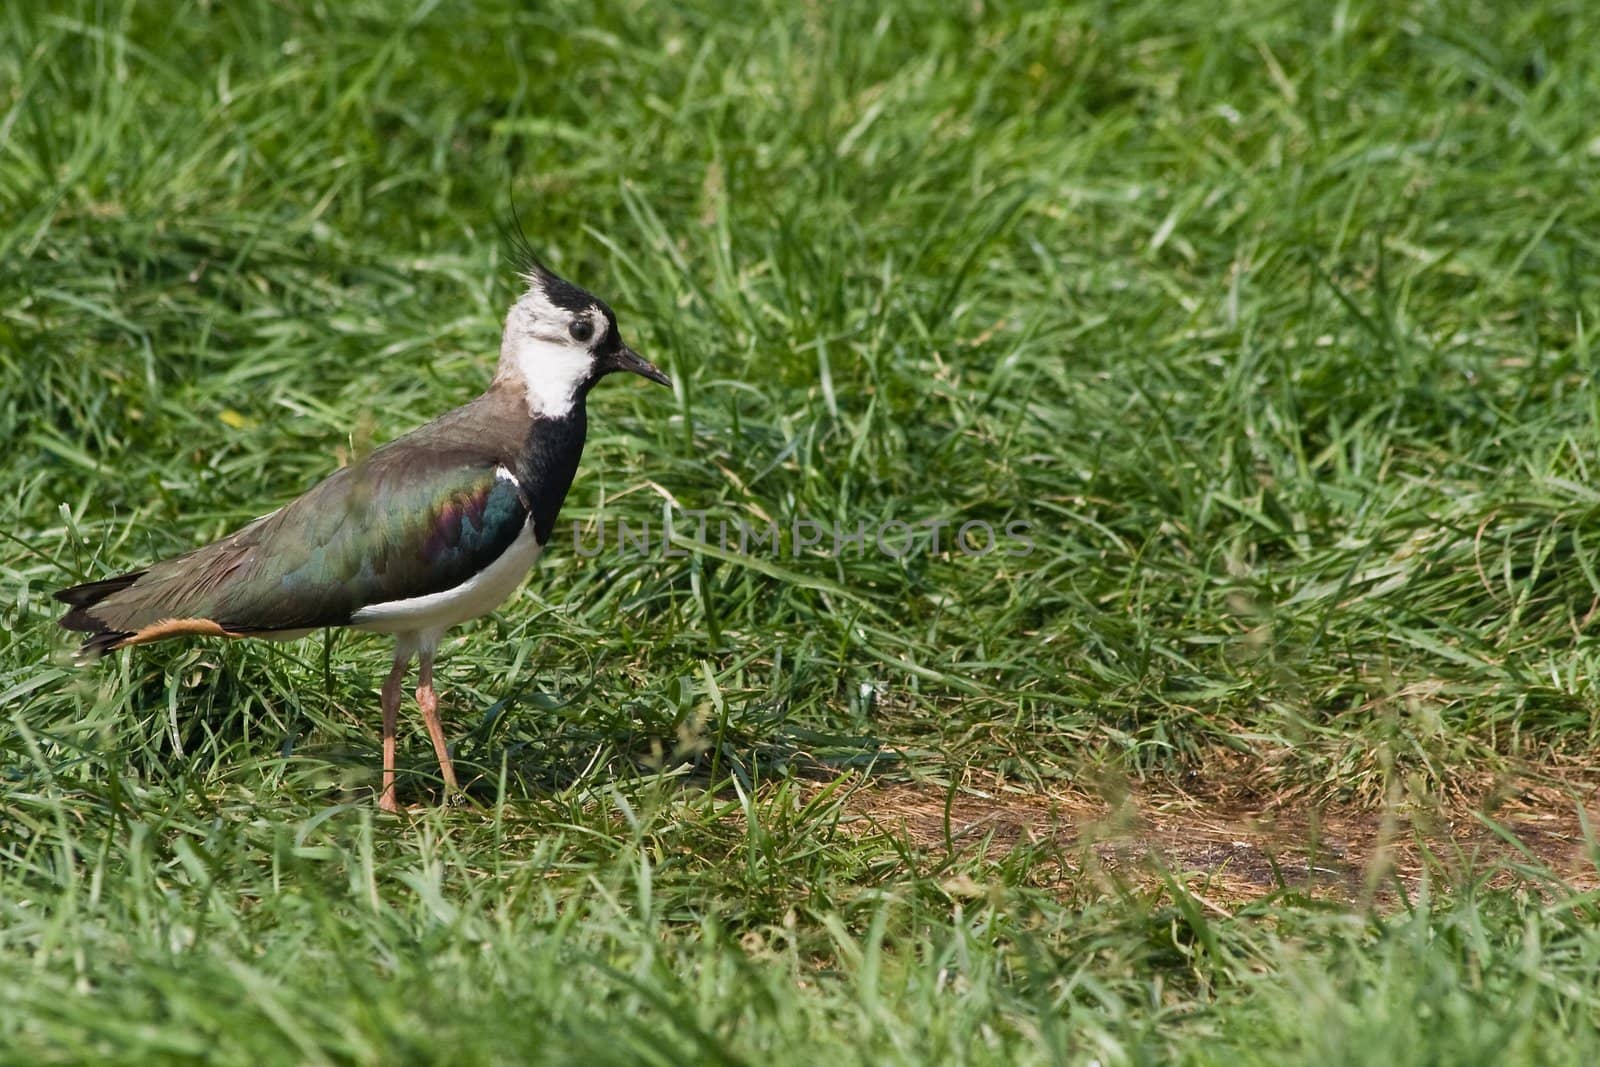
[{"x": 1272, "y": 320}]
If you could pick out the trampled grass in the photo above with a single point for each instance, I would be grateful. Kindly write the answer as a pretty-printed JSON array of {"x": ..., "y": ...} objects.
[{"x": 1270, "y": 324}]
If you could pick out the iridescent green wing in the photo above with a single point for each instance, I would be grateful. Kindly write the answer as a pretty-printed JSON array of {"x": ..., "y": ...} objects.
[{"x": 405, "y": 523}]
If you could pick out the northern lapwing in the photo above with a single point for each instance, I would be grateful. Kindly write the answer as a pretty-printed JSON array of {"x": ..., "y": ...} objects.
[{"x": 436, "y": 527}]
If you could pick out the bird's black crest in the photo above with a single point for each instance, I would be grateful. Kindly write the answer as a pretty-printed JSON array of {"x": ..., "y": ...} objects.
[
  {"x": 563, "y": 294},
  {"x": 560, "y": 292}
]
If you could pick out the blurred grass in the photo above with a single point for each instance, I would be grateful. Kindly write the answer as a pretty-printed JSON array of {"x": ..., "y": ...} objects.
[{"x": 1272, "y": 322}]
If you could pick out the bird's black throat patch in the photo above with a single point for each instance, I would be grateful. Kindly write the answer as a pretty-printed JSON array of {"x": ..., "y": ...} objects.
[{"x": 547, "y": 464}]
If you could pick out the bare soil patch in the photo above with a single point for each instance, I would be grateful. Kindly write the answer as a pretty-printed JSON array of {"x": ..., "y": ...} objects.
[{"x": 1233, "y": 841}]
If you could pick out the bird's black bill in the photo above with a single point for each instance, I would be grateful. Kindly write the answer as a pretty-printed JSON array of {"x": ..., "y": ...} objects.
[{"x": 629, "y": 360}]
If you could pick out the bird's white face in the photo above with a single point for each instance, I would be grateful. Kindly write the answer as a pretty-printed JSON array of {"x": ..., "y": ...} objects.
[
  {"x": 559, "y": 340},
  {"x": 554, "y": 345}
]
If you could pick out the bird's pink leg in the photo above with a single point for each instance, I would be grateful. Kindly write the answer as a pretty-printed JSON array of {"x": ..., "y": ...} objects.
[
  {"x": 391, "y": 717},
  {"x": 428, "y": 701}
]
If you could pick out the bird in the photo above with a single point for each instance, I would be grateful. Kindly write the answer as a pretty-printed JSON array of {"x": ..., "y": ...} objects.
[{"x": 435, "y": 528}]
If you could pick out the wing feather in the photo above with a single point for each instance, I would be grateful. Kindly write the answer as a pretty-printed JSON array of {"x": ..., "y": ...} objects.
[{"x": 404, "y": 523}]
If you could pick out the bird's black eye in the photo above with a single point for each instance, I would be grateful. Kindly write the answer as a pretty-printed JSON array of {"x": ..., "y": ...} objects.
[{"x": 581, "y": 330}]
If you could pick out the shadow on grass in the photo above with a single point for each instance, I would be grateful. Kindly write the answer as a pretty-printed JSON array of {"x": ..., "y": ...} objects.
[{"x": 535, "y": 746}]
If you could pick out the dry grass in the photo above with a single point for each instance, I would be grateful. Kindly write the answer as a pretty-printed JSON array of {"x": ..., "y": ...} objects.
[{"x": 1236, "y": 840}]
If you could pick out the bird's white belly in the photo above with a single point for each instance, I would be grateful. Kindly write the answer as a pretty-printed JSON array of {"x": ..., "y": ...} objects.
[{"x": 478, "y": 595}]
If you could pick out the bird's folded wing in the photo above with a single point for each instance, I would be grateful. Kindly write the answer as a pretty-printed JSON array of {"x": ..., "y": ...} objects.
[{"x": 405, "y": 523}]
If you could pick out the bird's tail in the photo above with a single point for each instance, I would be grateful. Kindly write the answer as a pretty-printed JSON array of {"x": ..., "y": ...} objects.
[{"x": 82, "y": 599}]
